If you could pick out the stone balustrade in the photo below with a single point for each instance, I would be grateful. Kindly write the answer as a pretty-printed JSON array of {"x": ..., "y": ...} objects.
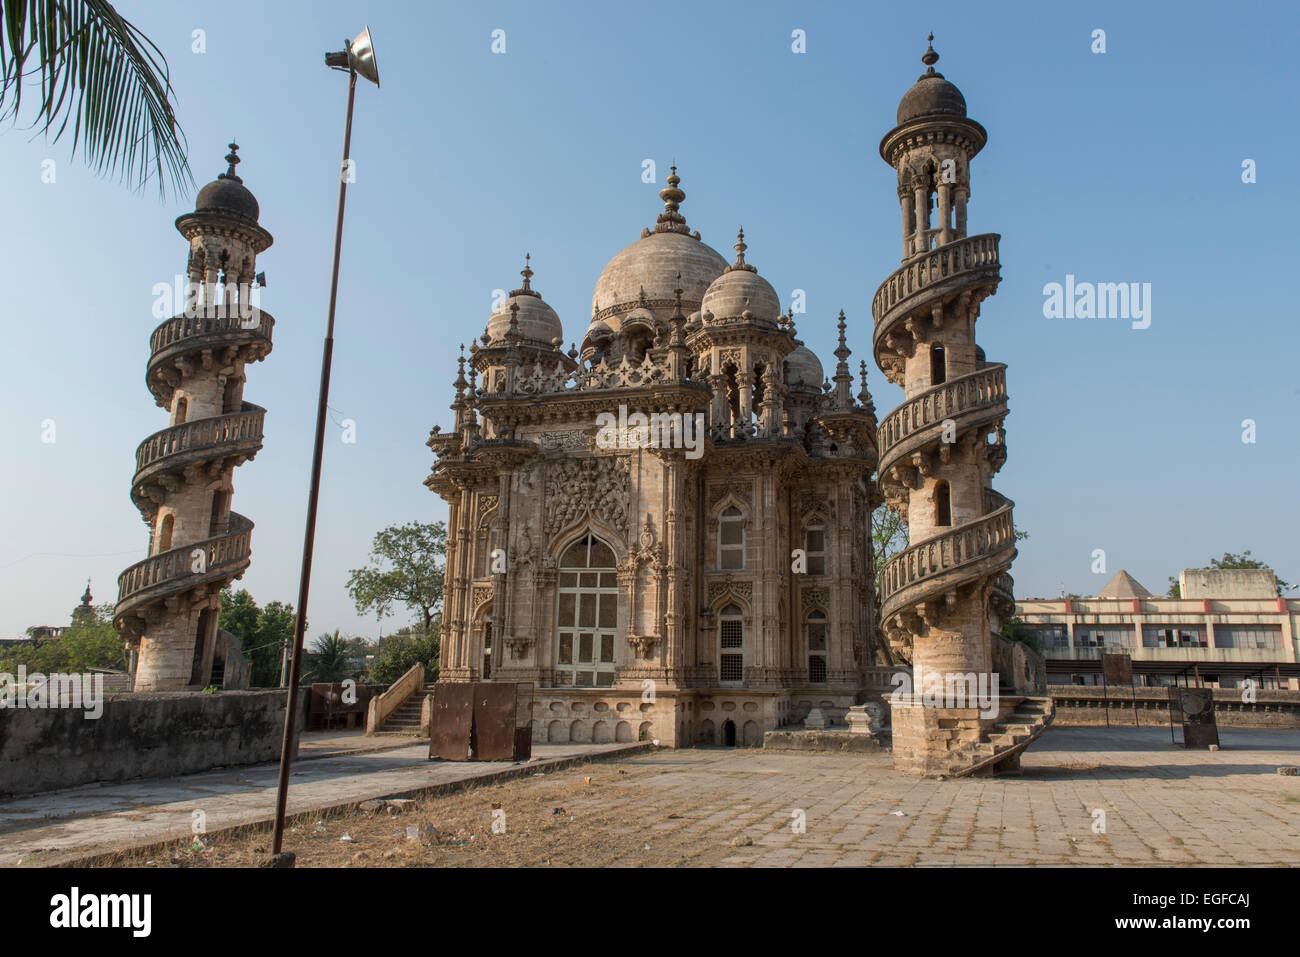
[
  {"x": 961, "y": 546},
  {"x": 178, "y": 329},
  {"x": 982, "y": 389},
  {"x": 201, "y": 434},
  {"x": 221, "y": 553},
  {"x": 949, "y": 261}
]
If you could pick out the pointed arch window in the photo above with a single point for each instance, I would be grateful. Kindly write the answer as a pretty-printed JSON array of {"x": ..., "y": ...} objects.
[
  {"x": 587, "y": 615},
  {"x": 731, "y": 539}
]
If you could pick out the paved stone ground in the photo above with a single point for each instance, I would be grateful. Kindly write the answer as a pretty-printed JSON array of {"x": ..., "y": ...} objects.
[
  {"x": 49, "y": 828},
  {"x": 1163, "y": 805}
]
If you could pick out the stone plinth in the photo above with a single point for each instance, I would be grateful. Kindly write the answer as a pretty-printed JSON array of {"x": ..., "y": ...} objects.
[{"x": 936, "y": 740}]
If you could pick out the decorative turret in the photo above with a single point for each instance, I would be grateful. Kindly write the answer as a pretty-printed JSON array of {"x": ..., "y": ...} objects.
[{"x": 168, "y": 604}]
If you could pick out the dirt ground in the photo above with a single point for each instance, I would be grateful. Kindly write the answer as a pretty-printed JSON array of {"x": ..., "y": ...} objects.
[{"x": 536, "y": 827}]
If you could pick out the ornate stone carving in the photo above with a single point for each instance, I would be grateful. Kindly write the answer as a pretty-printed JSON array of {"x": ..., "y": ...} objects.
[
  {"x": 718, "y": 492},
  {"x": 815, "y": 596},
  {"x": 564, "y": 441},
  {"x": 520, "y": 647},
  {"x": 728, "y": 585},
  {"x": 644, "y": 645},
  {"x": 596, "y": 486}
]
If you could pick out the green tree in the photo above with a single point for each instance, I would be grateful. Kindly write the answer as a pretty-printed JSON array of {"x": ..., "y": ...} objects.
[
  {"x": 406, "y": 566},
  {"x": 888, "y": 535},
  {"x": 99, "y": 70},
  {"x": 263, "y": 633},
  {"x": 329, "y": 658},
  {"x": 400, "y": 652},
  {"x": 89, "y": 642}
]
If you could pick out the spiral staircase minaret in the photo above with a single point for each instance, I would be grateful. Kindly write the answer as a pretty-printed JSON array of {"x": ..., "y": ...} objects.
[
  {"x": 168, "y": 604},
  {"x": 947, "y": 593}
]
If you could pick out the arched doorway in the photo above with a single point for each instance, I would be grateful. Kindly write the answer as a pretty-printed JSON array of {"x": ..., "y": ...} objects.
[{"x": 729, "y": 733}]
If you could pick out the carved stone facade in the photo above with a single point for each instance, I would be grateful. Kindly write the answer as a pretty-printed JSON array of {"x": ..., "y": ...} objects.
[{"x": 650, "y": 578}]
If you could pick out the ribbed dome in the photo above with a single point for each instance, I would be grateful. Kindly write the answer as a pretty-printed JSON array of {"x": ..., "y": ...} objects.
[
  {"x": 803, "y": 368},
  {"x": 652, "y": 264},
  {"x": 741, "y": 288},
  {"x": 227, "y": 193}
]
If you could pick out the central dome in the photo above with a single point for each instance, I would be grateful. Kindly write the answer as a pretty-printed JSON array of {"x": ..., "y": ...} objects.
[
  {"x": 650, "y": 271},
  {"x": 652, "y": 265}
]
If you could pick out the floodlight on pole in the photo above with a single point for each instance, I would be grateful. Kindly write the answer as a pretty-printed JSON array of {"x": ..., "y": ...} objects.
[{"x": 357, "y": 59}]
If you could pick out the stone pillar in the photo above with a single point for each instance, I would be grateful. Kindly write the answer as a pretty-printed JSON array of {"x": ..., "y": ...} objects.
[
  {"x": 908, "y": 204},
  {"x": 945, "y": 213},
  {"x": 922, "y": 243}
]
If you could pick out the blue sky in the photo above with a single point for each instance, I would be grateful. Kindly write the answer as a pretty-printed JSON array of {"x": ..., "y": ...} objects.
[{"x": 1115, "y": 167}]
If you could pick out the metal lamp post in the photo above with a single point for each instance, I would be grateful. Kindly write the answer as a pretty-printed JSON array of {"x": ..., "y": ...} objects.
[{"x": 357, "y": 59}]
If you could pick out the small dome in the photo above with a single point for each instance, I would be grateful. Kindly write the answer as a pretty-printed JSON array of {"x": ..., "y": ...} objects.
[
  {"x": 932, "y": 94},
  {"x": 538, "y": 322},
  {"x": 741, "y": 289},
  {"x": 227, "y": 193},
  {"x": 803, "y": 368}
]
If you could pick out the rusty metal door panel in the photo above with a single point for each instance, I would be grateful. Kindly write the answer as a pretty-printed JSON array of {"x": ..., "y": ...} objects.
[
  {"x": 453, "y": 715},
  {"x": 494, "y": 721}
]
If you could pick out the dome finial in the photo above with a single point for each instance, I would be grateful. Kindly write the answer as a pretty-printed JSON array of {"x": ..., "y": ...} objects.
[
  {"x": 930, "y": 58},
  {"x": 740, "y": 246},
  {"x": 231, "y": 158},
  {"x": 527, "y": 271},
  {"x": 670, "y": 220}
]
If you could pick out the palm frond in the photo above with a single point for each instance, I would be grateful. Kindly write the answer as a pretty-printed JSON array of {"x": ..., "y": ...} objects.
[{"x": 102, "y": 74}]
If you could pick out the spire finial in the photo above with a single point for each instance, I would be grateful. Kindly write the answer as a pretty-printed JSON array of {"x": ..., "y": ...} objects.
[
  {"x": 670, "y": 220},
  {"x": 740, "y": 246},
  {"x": 527, "y": 271},
  {"x": 842, "y": 351},
  {"x": 233, "y": 159},
  {"x": 930, "y": 58}
]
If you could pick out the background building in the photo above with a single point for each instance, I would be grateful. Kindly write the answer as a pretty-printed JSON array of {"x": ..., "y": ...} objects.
[{"x": 1228, "y": 626}]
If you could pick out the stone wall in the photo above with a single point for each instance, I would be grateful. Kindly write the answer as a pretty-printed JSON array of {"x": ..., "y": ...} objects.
[
  {"x": 1079, "y": 705},
  {"x": 138, "y": 736}
]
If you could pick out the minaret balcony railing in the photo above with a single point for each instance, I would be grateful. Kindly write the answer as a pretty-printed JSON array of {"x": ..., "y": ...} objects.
[
  {"x": 193, "y": 331},
  {"x": 235, "y": 429},
  {"x": 983, "y": 389},
  {"x": 172, "y": 570},
  {"x": 965, "y": 258},
  {"x": 962, "y": 546}
]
